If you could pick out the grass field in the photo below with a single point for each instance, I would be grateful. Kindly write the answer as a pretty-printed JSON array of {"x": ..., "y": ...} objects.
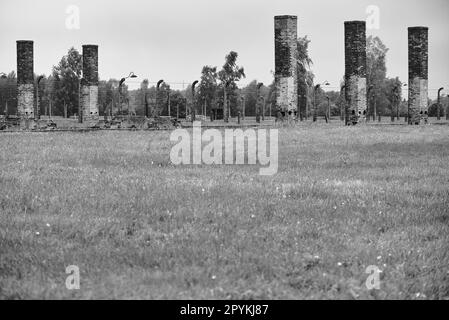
[{"x": 138, "y": 227}]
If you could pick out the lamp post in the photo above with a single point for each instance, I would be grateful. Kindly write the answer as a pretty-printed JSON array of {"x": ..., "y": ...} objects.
[
  {"x": 146, "y": 105},
  {"x": 328, "y": 108},
  {"x": 131, "y": 75},
  {"x": 439, "y": 103},
  {"x": 193, "y": 99},
  {"x": 80, "y": 112},
  {"x": 156, "y": 100},
  {"x": 168, "y": 101},
  {"x": 325, "y": 83},
  {"x": 263, "y": 108},
  {"x": 258, "y": 98},
  {"x": 447, "y": 108},
  {"x": 37, "y": 114}
]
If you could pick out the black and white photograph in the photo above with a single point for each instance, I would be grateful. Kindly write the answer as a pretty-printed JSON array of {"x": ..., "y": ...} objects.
[{"x": 226, "y": 155}]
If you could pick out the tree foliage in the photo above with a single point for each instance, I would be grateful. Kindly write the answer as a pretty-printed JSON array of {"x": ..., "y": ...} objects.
[
  {"x": 304, "y": 73},
  {"x": 66, "y": 76}
]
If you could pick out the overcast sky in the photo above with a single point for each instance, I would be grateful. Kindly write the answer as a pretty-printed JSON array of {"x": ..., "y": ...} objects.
[{"x": 173, "y": 39}]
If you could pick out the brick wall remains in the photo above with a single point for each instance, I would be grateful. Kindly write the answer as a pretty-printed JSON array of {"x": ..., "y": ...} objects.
[
  {"x": 355, "y": 70},
  {"x": 286, "y": 78},
  {"x": 418, "y": 59},
  {"x": 25, "y": 80}
]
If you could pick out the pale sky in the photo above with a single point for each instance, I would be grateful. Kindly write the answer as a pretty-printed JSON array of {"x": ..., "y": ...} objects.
[{"x": 174, "y": 39}]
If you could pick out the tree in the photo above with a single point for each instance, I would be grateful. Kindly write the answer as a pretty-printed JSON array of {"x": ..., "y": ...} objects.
[
  {"x": 392, "y": 91},
  {"x": 177, "y": 104},
  {"x": 142, "y": 97},
  {"x": 305, "y": 75},
  {"x": 376, "y": 53},
  {"x": 207, "y": 86},
  {"x": 8, "y": 96},
  {"x": 67, "y": 75},
  {"x": 107, "y": 96},
  {"x": 229, "y": 75}
]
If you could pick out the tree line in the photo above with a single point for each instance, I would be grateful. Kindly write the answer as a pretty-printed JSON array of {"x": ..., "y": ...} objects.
[{"x": 59, "y": 92}]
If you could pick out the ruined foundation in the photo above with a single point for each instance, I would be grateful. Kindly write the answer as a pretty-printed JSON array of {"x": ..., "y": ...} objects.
[
  {"x": 418, "y": 57},
  {"x": 25, "y": 83},
  {"x": 89, "y": 84},
  {"x": 286, "y": 77},
  {"x": 355, "y": 71}
]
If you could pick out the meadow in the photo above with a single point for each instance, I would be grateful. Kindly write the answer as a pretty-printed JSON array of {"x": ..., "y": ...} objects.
[{"x": 111, "y": 203}]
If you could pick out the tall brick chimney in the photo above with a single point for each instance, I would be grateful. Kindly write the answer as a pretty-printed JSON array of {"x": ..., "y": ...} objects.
[
  {"x": 286, "y": 77},
  {"x": 418, "y": 59},
  {"x": 25, "y": 80},
  {"x": 89, "y": 83},
  {"x": 355, "y": 71}
]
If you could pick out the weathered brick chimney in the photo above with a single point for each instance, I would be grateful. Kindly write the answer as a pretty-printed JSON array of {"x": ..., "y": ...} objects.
[
  {"x": 355, "y": 70},
  {"x": 286, "y": 77},
  {"x": 89, "y": 83},
  {"x": 418, "y": 59},
  {"x": 25, "y": 80}
]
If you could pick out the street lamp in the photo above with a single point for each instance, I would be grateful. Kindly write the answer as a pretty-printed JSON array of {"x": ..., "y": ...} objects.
[
  {"x": 131, "y": 75},
  {"x": 37, "y": 114},
  {"x": 263, "y": 107},
  {"x": 156, "y": 100},
  {"x": 258, "y": 98},
  {"x": 168, "y": 100},
  {"x": 447, "y": 108},
  {"x": 193, "y": 99},
  {"x": 325, "y": 83},
  {"x": 438, "y": 104}
]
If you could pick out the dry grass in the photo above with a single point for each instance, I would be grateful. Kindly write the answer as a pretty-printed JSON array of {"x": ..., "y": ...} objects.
[{"x": 137, "y": 227}]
